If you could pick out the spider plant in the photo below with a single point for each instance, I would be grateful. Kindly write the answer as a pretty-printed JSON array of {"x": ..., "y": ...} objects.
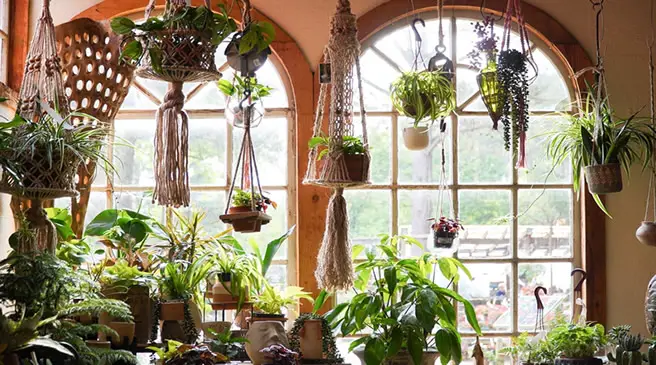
[
  {"x": 424, "y": 95},
  {"x": 181, "y": 280},
  {"x": 594, "y": 136}
]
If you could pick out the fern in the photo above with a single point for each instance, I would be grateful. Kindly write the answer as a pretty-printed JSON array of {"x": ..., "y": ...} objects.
[
  {"x": 109, "y": 357},
  {"x": 115, "y": 308}
]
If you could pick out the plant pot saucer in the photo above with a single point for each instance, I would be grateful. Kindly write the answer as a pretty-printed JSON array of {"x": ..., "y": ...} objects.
[{"x": 246, "y": 222}]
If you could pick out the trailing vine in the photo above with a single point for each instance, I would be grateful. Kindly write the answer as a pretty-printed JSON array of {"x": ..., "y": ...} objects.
[
  {"x": 154, "y": 329},
  {"x": 513, "y": 79},
  {"x": 330, "y": 351},
  {"x": 188, "y": 325}
]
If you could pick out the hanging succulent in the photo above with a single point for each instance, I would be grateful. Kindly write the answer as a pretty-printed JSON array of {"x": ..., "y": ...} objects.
[
  {"x": 487, "y": 78},
  {"x": 423, "y": 95},
  {"x": 513, "y": 81}
]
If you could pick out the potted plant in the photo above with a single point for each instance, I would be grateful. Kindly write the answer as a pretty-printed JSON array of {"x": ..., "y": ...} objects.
[
  {"x": 177, "y": 353},
  {"x": 312, "y": 337},
  {"x": 249, "y": 48},
  {"x": 227, "y": 344},
  {"x": 179, "y": 294},
  {"x": 531, "y": 350},
  {"x": 271, "y": 303},
  {"x": 353, "y": 150},
  {"x": 424, "y": 96},
  {"x": 232, "y": 285},
  {"x": 163, "y": 45},
  {"x": 627, "y": 346},
  {"x": 577, "y": 344},
  {"x": 595, "y": 140},
  {"x": 238, "y": 103},
  {"x": 488, "y": 83},
  {"x": 247, "y": 212},
  {"x": 280, "y": 355},
  {"x": 445, "y": 232},
  {"x": 406, "y": 314}
]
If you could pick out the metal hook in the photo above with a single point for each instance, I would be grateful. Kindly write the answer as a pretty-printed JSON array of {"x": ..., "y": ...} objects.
[
  {"x": 536, "y": 292},
  {"x": 584, "y": 275},
  {"x": 414, "y": 28}
]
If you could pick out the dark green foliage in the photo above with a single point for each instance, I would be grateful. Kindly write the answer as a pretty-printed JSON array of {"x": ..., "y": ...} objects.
[
  {"x": 226, "y": 344},
  {"x": 513, "y": 80},
  {"x": 350, "y": 145}
]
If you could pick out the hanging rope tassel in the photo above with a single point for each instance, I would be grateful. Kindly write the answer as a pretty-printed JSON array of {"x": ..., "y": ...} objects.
[
  {"x": 334, "y": 267},
  {"x": 45, "y": 233},
  {"x": 171, "y": 150}
]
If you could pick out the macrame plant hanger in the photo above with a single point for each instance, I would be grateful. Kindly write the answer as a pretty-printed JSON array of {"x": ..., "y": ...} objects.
[
  {"x": 42, "y": 87},
  {"x": 337, "y": 170},
  {"x": 187, "y": 56},
  {"x": 246, "y": 171},
  {"x": 513, "y": 9}
]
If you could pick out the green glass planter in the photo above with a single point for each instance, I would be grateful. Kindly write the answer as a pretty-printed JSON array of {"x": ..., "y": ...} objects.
[{"x": 490, "y": 90}]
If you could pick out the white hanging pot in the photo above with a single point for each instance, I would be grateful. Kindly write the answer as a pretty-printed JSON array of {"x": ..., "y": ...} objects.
[
  {"x": 416, "y": 138},
  {"x": 646, "y": 233}
]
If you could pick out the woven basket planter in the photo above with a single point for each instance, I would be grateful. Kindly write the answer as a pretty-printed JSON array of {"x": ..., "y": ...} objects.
[
  {"x": 40, "y": 181},
  {"x": 187, "y": 56},
  {"x": 604, "y": 179}
]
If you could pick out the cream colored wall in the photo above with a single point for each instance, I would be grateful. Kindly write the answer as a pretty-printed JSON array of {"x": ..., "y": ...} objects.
[{"x": 629, "y": 265}]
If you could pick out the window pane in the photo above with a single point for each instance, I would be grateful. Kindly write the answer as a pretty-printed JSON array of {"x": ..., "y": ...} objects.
[
  {"x": 490, "y": 292},
  {"x": 482, "y": 158},
  {"x": 207, "y": 152},
  {"x": 101, "y": 176},
  {"x": 212, "y": 203},
  {"x": 208, "y": 97},
  {"x": 558, "y": 300},
  {"x": 377, "y": 75},
  {"x": 369, "y": 213},
  {"x": 277, "y": 276},
  {"x": 415, "y": 208},
  {"x": 136, "y": 100},
  {"x": 549, "y": 91},
  {"x": 270, "y": 143},
  {"x": 486, "y": 216},
  {"x": 379, "y": 131},
  {"x": 274, "y": 229},
  {"x": 424, "y": 167},
  {"x": 134, "y": 152},
  {"x": 540, "y": 169},
  {"x": 139, "y": 202},
  {"x": 491, "y": 346},
  {"x": 545, "y": 223}
]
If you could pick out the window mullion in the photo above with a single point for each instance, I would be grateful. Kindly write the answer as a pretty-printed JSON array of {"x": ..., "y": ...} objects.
[{"x": 395, "y": 174}]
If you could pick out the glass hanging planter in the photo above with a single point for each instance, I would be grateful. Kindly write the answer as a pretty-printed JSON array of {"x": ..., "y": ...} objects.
[
  {"x": 237, "y": 111},
  {"x": 490, "y": 89}
]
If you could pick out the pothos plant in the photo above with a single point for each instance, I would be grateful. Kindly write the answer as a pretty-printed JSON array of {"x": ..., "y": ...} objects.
[
  {"x": 139, "y": 38},
  {"x": 513, "y": 82},
  {"x": 351, "y": 145},
  {"x": 400, "y": 305}
]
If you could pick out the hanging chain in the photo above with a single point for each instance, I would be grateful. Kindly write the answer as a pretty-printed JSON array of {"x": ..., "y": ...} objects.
[{"x": 246, "y": 14}]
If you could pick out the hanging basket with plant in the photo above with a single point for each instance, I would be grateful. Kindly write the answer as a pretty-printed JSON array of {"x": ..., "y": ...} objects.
[
  {"x": 240, "y": 102},
  {"x": 247, "y": 212},
  {"x": 423, "y": 95},
  {"x": 488, "y": 77},
  {"x": 445, "y": 232}
]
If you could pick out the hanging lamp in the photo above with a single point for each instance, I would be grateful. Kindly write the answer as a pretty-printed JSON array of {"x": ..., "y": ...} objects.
[{"x": 337, "y": 169}]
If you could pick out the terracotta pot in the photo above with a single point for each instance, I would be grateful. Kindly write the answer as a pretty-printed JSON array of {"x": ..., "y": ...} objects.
[
  {"x": 99, "y": 344},
  {"x": 262, "y": 335},
  {"x": 402, "y": 358},
  {"x": 125, "y": 332},
  {"x": 416, "y": 138},
  {"x": 311, "y": 339},
  {"x": 579, "y": 361},
  {"x": 141, "y": 305},
  {"x": 103, "y": 318},
  {"x": 646, "y": 233},
  {"x": 604, "y": 179},
  {"x": 221, "y": 291},
  {"x": 235, "y": 210},
  {"x": 172, "y": 311},
  {"x": 261, "y": 317},
  {"x": 357, "y": 167},
  {"x": 172, "y": 330},
  {"x": 218, "y": 327}
]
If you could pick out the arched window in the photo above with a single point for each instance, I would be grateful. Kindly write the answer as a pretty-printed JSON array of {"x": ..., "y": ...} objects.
[
  {"x": 213, "y": 148},
  {"x": 521, "y": 226},
  {"x": 4, "y": 39}
]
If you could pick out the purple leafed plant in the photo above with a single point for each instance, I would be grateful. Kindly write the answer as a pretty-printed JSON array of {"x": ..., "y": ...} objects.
[
  {"x": 280, "y": 355},
  {"x": 486, "y": 43}
]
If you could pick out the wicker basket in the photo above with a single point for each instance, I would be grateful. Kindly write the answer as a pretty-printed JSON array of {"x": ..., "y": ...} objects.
[
  {"x": 604, "y": 179},
  {"x": 40, "y": 181},
  {"x": 187, "y": 56}
]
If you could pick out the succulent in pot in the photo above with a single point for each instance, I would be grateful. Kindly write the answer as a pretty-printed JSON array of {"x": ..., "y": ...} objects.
[
  {"x": 445, "y": 232},
  {"x": 627, "y": 346},
  {"x": 407, "y": 316},
  {"x": 423, "y": 95},
  {"x": 595, "y": 140},
  {"x": 577, "y": 344},
  {"x": 238, "y": 103}
]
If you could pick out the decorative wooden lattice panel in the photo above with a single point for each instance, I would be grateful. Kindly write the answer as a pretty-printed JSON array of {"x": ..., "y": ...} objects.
[{"x": 96, "y": 82}]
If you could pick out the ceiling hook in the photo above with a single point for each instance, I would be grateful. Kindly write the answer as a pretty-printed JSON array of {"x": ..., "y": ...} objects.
[{"x": 414, "y": 28}]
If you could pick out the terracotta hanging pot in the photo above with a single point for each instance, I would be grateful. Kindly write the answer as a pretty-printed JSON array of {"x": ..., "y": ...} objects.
[
  {"x": 646, "y": 233},
  {"x": 604, "y": 179},
  {"x": 416, "y": 138},
  {"x": 311, "y": 341}
]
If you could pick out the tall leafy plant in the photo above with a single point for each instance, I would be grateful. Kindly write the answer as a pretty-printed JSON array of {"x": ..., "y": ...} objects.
[{"x": 401, "y": 306}]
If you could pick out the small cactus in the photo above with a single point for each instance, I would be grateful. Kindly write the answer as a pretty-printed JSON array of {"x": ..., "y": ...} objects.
[
  {"x": 627, "y": 351},
  {"x": 651, "y": 354}
]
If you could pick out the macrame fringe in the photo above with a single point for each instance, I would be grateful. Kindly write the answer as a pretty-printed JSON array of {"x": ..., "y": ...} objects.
[
  {"x": 171, "y": 150},
  {"x": 334, "y": 266},
  {"x": 45, "y": 233}
]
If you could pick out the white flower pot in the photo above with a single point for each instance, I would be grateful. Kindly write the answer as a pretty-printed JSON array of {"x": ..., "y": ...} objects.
[{"x": 416, "y": 139}]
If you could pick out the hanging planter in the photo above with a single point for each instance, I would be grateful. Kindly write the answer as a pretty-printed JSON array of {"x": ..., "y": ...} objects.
[
  {"x": 513, "y": 81},
  {"x": 353, "y": 152},
  {"x": 604, "y": 179},
  {"x": 487, "y": 78},
  {"x": 423, "y": 96},
  {"x": 177, "y": 47},
  {"x": 416, "y": 138},
  {"x": 244, "y": 104},
  {"x": 249, "y": 49},
  {"x": 247, "y": 213},
  {"x": 445, "y": 233},
  {"x": 646, "y": 233}
]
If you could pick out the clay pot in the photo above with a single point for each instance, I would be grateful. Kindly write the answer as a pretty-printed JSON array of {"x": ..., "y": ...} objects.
[
  {"x": 416, "y": 138},
  {"x": 141, "y": 305},
  {"x": 125, "y": 332},
  {"x": 402, "y": 358},
  {"x": 235, "y": 210},
  {"x": 445, "y": 240},
  {"x": 172, "y": 311},
  {"x": 103, "y": 318},
  {"x": 262, "y": 335},
  {"x": 263, "y": 317},
  {"x": 99, "y": 344},
  {"x": 218, "y": 327},
  {"x": 604, "y": 179},
  {"x": 646, "y": 233},
  {"x": 221, "y": 291},
  {"x": 311, "y": 339}
]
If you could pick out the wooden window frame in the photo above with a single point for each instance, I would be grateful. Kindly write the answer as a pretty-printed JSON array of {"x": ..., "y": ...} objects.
[{"x": 313, "y": 201}]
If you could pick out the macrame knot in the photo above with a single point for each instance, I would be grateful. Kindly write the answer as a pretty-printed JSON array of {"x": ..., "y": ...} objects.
[{"x": 174, "y": 98}]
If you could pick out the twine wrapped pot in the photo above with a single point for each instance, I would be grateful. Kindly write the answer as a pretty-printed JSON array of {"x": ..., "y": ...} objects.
[{"x": 604, "y": 179}]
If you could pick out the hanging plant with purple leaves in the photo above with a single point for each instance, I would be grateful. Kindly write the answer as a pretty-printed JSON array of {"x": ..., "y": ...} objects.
[
  {"x": 486, "y": 43},
  {"x": 513, "y": 80}
]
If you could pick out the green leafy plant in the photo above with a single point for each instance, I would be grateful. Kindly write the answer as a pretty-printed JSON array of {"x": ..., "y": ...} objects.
[
  {"x": 181, "y": 280},
  {"x": 237, "y": 87},
  {"x": 120, "y": 277},
  {"x": 577, "y": 340},
  {"x": 70, "y": 249},
  {"x": 423, "y": 95},
  {"x": 226, "y": 344},
  {"x": 243, "y": 198},
  {"x": 576, "y": 138},
  {"x": 142, "y": 38},
  {"x": 398, "y": 302},
  {"x": 256, "y": 37},
  {"x": 177, "y": 353},
  {"x": 528, "y": 350},
  {"x": 350, "y": 145},
  {"x": 273, "y": 301},
  {"x": 628, "y": 345}
]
